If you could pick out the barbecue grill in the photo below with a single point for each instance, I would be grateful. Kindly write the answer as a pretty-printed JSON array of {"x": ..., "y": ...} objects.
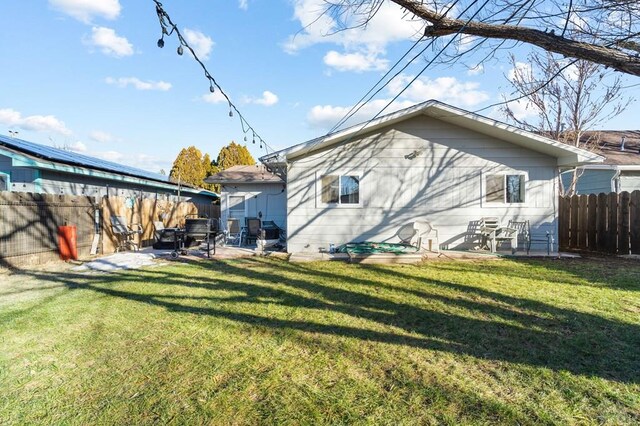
[{"x": 196, "y": 231}]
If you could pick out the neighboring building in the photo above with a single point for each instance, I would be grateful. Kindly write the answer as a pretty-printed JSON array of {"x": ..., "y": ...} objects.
[
  {"x": 429, "y": 162},
  {"x": 30, "y": 167},
  {"x": 251, "y": 191},
  {"x": 620, "y": 171}
]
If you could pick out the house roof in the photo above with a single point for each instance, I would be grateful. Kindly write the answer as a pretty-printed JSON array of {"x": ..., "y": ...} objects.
[
  {"x": 567, "y": 155},
  {"x": 244, "y": 174},
  {"x": 30, "y": 154},
  {"x": 608, "y": 143}
]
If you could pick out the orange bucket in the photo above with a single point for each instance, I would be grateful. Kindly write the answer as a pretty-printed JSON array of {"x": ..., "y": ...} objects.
[{"x": 68, "y": 242}]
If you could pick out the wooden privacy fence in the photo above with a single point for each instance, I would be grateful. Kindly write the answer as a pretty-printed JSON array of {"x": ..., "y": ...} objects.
[
  {"x": 145, "y": 211},
  {"x": 29, "y": 226},
  {"x": 29, "y": 222},
  {"x": 605, "y": 223}
]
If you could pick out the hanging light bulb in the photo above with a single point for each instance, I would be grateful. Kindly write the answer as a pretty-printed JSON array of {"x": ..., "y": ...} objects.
[
  {"x": 180, "y": 50},
  {"x": 245, "y": 138},
  {"x": 211, "y": 88},
  {"x": 254, "y": 138},
  {"x": 161, "y": 42},
  {"x": 230, "y": 113}
]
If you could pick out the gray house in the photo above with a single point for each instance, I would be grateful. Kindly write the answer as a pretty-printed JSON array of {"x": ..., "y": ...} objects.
[
  {"x": 430, "y": 162},
  {"x": 620, "y": 170},
  {"x": 30, "y": 167},
  {"x": 251, "y": 191}
]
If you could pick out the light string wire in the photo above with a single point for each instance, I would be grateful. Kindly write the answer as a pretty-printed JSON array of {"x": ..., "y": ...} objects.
[
  {"x": 363, "y": 126},
  {"x": 168, "y": 28}
]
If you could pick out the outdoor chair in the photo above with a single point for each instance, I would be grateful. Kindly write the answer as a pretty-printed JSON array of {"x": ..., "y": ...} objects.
[
  {"x": 125, "y": 233},
  {"x": 493, "y": 234},
  {"x": 419, "y": 231},
  {"x": 524, "y": 235},
  {"x": 233, "y": 233},
  {"x": 253, "y": 225}
]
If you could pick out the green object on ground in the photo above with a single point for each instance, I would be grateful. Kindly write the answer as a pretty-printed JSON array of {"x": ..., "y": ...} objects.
[{"x": 369, "y": 247}]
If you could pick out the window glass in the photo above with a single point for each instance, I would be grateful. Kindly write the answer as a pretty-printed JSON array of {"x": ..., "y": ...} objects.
[
  {"x": 349, "y": 189},
  {"x": 330, "y": 189},
  {"x": 495, "y": 188},
  {"x": 515, "y": 188},
  {"x": 236, "y": 205}
]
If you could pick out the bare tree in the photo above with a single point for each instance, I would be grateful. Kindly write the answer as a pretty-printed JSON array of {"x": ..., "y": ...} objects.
[
  {"x": 605, "y": 32},
  {"x": 564, "y": 101}
]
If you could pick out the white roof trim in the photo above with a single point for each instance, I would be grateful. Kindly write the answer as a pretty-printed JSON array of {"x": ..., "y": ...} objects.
[{"x": 566, "y": 154}]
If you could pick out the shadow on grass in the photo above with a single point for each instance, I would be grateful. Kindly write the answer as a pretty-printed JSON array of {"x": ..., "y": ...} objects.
[{"x": 494, "y": 326}]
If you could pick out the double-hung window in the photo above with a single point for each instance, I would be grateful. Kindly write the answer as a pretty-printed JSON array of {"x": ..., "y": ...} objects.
[
  {"x": 504, "y": 188},
  {"x": 340, "y": 189}
]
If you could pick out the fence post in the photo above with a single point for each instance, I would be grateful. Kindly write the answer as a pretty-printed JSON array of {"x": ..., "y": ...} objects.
[
  {"x": 591, "y": 222},
  {"x": 634, "y": 221},
  {"x": 612, "y": 235}
]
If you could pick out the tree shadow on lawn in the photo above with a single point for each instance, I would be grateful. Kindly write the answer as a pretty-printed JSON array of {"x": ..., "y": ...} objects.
[{"x": 491, "y": 325}]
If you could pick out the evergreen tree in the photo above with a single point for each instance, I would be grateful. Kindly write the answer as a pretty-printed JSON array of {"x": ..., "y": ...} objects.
[
  {"x": 189, "y": 168},
  {"x": 234, "y": 155}
]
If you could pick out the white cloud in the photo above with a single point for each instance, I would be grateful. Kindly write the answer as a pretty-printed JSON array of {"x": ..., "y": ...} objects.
[
  {"x": 387, "y": 26},
  {"x": 141, "y": 161},
  {"x": 243, "y": 4},
  {"x": 102, "y": 137},
  {"x": 36, "y": 123},
  {"x": 109, "y": 42},
  {"x": 445, "y": 89},
  {"x": 357, "y": 62},
  {"x": 326, "y": 116},
  {"x": 214, "y": 98},
  {"x": 522, "y": 109},
  {"x": 86, "y": 10},
  {"x": 520, "y": 68},
  {"x": 139, "y": 84},
  {"x": 77, "y": 146},
  {"x": 268, "y": 99},
  {"x": 199, "y": 42}
]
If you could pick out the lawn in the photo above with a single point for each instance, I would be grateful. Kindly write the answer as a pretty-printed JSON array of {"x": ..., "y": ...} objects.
[{"x": 259, "y": 341}]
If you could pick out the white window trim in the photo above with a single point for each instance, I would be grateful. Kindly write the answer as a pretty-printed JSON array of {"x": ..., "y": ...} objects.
[
  {"x": 483, "y": 184},
  {"x": 318, "y": 184}
]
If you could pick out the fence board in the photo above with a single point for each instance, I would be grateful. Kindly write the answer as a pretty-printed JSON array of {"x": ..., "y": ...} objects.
[
  {"x": 573, "y": 227},
  {"x": 582, "y": 222},
  {"x": 634, "y": 222},
  {"x": 563, "y": 223},
  {"x": 592, "y": 228},
  {"x": 623, "y": 223},
  {"x": 612, "y": 227},
  {"x": 601, "y": 221}
]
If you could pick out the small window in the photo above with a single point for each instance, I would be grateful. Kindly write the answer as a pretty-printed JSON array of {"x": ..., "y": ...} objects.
[
  {"x": 340, "y": 189},
  {"x": 504, "y": 188},
  {"x": 236, "y": 206}
]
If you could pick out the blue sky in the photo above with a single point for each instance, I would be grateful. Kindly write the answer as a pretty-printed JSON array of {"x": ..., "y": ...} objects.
[{"x": 87, "y": 74}]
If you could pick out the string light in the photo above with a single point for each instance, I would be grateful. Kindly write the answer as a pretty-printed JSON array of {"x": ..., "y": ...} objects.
[{"x": 168, "y": 28}]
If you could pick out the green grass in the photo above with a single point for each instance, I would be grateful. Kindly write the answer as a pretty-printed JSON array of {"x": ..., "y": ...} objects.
[{"x": 260, "y": 341}]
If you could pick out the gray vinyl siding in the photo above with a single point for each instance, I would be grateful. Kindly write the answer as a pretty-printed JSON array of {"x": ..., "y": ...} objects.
[
  {"x": 591, "y": 181},
  {"x": 421, "y": 168},
  {"x": 629, "y": 181},
  {"x": 265, "y": 200}
]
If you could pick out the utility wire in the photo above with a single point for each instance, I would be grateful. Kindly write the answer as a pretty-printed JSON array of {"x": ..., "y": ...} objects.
[{"x": 168, "y": 28}]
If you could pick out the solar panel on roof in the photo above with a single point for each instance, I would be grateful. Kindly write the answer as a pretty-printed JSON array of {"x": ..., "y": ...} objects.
[{"x": 67, "y": 157}]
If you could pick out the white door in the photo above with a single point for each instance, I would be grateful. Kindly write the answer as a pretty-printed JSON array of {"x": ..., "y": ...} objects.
[{"x": 236, "y": 205}]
